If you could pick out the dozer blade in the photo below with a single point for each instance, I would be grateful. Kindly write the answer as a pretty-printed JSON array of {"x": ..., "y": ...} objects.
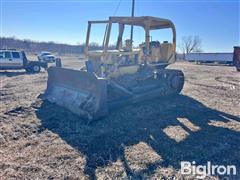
[{"x": 80, "y": 92}]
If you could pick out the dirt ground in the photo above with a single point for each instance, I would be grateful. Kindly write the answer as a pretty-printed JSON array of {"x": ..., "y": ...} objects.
[{"x": 41, "y": 141}]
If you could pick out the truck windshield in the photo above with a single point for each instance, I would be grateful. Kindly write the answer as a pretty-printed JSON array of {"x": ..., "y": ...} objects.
[{"x": 45, "y": 54}]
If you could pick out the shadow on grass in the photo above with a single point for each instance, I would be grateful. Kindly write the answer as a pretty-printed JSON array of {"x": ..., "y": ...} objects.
[
  {"x": 177, "y": 129},
  {"x": 12, "y": 73},
  {"x": 16, "y": 73}
]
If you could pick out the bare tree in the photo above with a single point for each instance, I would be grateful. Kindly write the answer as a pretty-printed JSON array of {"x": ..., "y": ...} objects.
[{"x": 190, "y": 44}]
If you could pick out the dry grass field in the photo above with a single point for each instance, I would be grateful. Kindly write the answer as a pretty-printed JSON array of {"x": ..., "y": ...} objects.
[{"x": 39, "y": 140}]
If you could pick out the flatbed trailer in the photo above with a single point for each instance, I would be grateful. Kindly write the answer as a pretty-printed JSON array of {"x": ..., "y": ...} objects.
[{"x": 220, "y": 58}]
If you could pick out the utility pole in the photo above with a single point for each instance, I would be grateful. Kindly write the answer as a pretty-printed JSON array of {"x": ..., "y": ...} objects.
[{"x": 133, "y": 9}]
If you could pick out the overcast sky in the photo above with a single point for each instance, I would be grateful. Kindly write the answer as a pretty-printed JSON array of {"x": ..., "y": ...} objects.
[{"x": 215, "y": 22}]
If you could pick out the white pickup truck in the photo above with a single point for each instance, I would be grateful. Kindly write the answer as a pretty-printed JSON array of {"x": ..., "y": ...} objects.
[
  {"x": 13, "y": 59},
  {"x": 46, "y": 57}
]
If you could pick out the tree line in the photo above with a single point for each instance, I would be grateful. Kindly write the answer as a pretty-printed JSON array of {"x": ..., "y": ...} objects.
[{"x": 35, "y": 46}]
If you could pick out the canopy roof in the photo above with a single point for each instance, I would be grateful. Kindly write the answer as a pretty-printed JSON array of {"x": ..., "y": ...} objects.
[
  {"x": 147, "y": 22},
  {"x": 143, "y": 21}
]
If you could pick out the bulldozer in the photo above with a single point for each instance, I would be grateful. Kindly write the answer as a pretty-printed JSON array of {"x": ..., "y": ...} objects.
[{"x": 118, "y": 76}]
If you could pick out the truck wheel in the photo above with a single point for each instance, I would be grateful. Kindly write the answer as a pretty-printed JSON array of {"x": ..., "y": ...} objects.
[{"x": 36, "y": 68}]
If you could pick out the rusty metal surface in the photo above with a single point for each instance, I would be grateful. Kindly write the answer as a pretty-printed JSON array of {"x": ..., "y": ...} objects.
[{"x": 81, "y": 92}]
